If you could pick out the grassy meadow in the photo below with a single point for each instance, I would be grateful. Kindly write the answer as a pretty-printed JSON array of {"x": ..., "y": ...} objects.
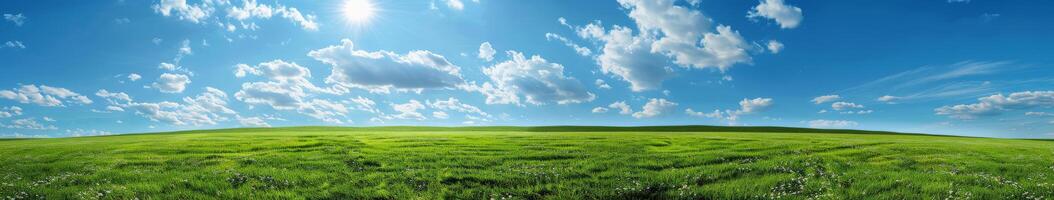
[{"x": 526, "y": 163}]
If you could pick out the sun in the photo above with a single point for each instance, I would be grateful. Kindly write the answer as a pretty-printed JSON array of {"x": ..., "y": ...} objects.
[{"x": 358, "y": 11}]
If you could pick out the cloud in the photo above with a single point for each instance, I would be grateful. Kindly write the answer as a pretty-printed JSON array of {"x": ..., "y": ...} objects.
[
  {"x": 601, "y": 84},
  {"x": 134, "y": 77},
  {"x": 822, "y": 123},
  {"x": 666, "y": 31},
  {"x": 774, "y": 46},
  {"x": 13, "y": 44},
  {"x": 28, "y": 123},
  {"x": 786, "y": 15},
  {"x": 825, "y": 99},
  {"x": 44, "y": 96},
  {"x": 486, "y": 51},
  {"x": 998, "y": 103},
  {"x": 455, "y": 4},
  {"x": 888, "y": 98},
  {"x": 453, "y": 104},
  {"x": 600, "y": 110},
  {"x": 567, "y": 42},
  {"x": 622, "y": 106},
  {"x": 364, "y": 104},
  {"x": 841, "y": 105},
  {"x": 249, "y": 10},
  {"x": 184, "y": 11},
  {"x": 936, "y": 82},
  {"x": 746, "y": 106},
  {"x": 171, "y": 83},
  {"x": 17, "y": 19},
  {"x": 408, "y": 110},
  {"x": 538, "y": 81},
  {"x": 440, "y": 115},
  {"x": 207, "y": 108},
  {"x": 12, "y": 111},
  {"x": 252, "y": 122},
  {"x": 654, "y": 107},
  {"x": 755, "y": 105},
  {"x": 382, "y": 71},
  {"x": 288, "y": 88}
]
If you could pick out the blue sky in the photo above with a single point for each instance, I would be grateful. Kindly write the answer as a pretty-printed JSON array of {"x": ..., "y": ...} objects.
[{"x": 975, "y": 67}]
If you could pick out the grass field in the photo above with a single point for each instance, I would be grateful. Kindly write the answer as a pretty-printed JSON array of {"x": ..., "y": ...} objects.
[{"x": 526, "y": 163}]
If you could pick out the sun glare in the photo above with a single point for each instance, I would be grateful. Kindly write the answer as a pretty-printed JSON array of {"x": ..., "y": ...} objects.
[{"x": 358, "y": 11}]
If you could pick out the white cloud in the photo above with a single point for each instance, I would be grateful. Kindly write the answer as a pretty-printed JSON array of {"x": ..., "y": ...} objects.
[
  {"x": 455, "y": 4},
  {"x": 249, "y": 10},
  {"x": 1038, "y": 114},
  {"x": 486, "y": 51},
  {"x": 774, "y": 46},
  {"x": 666, "y": 31},
  {"x": 537, "y": 80},
  {"x": 44, "y": 95},
  {"x": 89, "y": 132},
  {"x": 996, "y": 104},
  {"x": 184, "y": 11},
  {"x": 888, "y": 98},
  {"x": 822, "y": 123},
  {"x": 288, "y": 88},
  {"x": 208, "y": 108},
  {"x": 746, "y": 106},
  {"x": 6, "y": 112},
  {"x": 28, "y": 123},
  {"x": 253, "y": 122},
  {"x": 364, "y": 104},
  {"x": 755, "y": 105},
  {"x": 622, "y": 106},
  {"x": 453, "y": 104},
  {"x": 324, "y": 110},
  {"x": 17, "y": 19},
  {"x": 601, "y": 84},
  {"x": 567, "y": 42},
  {"x": 825, "y": 99},
  {"x": 171, "y": 83},
  {"x": 654, "y": 107},
  {"x": 381, "y": 71},
  {"x": 134, "y": 77},
  {"x": 786, "y": 15},
  {"x": 408, "y": 110},
  {"x": 600, "y": 110},
  {"x": 841, "y": 105},
  {"x": 440, "y": 115},
  {"x": 14, "y": 44}
]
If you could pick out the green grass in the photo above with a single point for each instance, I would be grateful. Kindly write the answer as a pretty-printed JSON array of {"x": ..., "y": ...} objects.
[{"x": 696, "y": 162}]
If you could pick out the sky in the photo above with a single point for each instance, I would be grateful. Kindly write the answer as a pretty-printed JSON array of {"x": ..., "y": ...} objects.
[{"x": 956, "y": 67}]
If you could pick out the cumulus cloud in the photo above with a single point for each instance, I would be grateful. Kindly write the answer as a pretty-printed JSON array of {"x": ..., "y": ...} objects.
[
  {"x": 600, "y": 110},
  {"x": 841, "y": 105},
  {"x": 288, "y": 88},
  {"x": 537, "y": 80},
  {"x": 408, "y": 110},
  {"x": 44, "y": 95},
  {"x": 622, "y": 106},
  {"x": 654, "y": 107},
  {"x": 207, "y": 108},
  {"x": 601, "y": 84},
  {"x": 746, "y": 106},
  {"x": 382, "y": 71},
  {"x": 200, "y": 13},
  {"x": 825, "y": 99},
  {"x": 134, "y": 77},
  {"x": 28, "y": 123},
  {"x": 998, "y": 103},
  {"x": 453, "y": 104},
  {"x": 171, "y": 83},
  {"x": 364, "y": 104},
  {"x": 252, "y": 122},
  {"x": 17, "y": 19},
  {"x": 888, "y": 99},
  {"x": 440, "y": 115},
  {"x": 822, "y": 123},
  {"x": 786, "y": 16},
  {"x": 12, "y": 111},
  {"x": 455, "y": 4},
  {"x": 486, "y": 51},
  {"x": 666, "y": 30},
  {"x": 774, "y": 46}
]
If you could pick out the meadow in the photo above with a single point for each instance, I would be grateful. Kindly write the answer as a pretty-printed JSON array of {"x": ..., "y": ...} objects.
[{"x": 526, "y": 163}]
